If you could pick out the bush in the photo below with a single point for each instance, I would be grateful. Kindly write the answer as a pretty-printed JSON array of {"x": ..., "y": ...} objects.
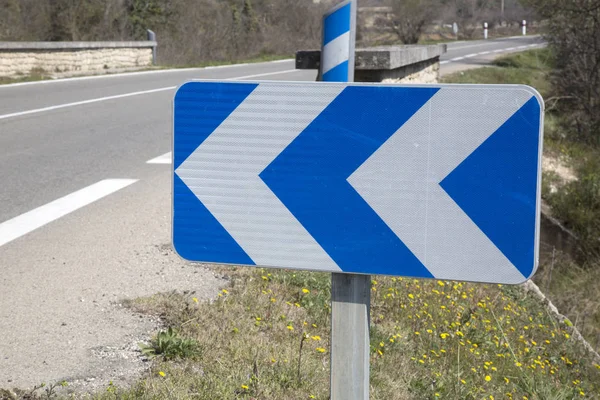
[
  {"x": 577, "y": 204},
  {"x": 573, "y": 33}
]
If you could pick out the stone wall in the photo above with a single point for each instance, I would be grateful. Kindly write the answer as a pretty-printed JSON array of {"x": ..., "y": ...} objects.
[{"x": 75, "y": 58}]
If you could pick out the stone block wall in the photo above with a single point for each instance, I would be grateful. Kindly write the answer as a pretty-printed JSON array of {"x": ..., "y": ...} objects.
[{"x": 77, "y": 58}]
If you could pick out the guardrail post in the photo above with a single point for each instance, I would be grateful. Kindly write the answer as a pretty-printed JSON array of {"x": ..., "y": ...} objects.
[{"x": 152, "y": 38}]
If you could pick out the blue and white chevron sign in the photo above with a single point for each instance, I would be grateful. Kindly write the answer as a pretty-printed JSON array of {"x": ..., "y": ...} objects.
[
  {"x": 417, "y": 181},
  {"x": 339, "y": 26}
]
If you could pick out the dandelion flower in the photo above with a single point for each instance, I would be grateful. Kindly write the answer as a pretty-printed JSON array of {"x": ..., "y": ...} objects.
[
  {"x": 305, "y": 291},
  {"x": 320, "y": 350},
  {"x": 245, "y": 387},
  {"x": 225, "y": 291},
  {"x": 161, "y": 373},
  {"x": 195, "y": 300},
  {"x": 316, "y": 337},
  {"x": 290, "y": 328},
  {"x": 488, "y": 378}
]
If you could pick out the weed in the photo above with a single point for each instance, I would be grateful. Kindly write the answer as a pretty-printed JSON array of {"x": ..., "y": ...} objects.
[{"x": 170, "y": 345}]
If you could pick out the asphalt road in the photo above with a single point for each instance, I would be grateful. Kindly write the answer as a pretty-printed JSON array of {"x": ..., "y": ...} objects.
[{"x": 85, "y": 213}]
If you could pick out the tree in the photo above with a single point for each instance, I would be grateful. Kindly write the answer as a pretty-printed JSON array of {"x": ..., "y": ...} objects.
[
  {"x": 573, "y": 33},
  {"x": 409, "y": 18}
]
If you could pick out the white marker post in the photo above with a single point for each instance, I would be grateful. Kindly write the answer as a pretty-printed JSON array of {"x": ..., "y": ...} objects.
[
  {"x": 524, "y": 28},
  {"x": 485, "y": 30},
  {"x": 455, "y": 30},
  {"x": 350, "y": 293}
]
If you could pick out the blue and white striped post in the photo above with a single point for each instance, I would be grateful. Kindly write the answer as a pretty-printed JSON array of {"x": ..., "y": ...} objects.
[
  {"x": 339, "y": 37},
  {"x": 350, "y": 293}
]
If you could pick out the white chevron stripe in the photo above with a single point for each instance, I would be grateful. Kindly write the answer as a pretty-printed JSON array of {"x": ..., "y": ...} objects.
[
  {"x": 336, "y": 52},
  {"x": 426, "y": 149},
  {"x": 223, "y": 173}
]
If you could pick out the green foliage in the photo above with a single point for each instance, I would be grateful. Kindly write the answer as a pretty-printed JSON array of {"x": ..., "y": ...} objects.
[
  {"x": 531, "y": 68},
  {"x": 148, "y": 14},
  {"x": 577, "y": 204},
  {"x": 170, "y": 345},
  {"x": 573, "y": 34}
]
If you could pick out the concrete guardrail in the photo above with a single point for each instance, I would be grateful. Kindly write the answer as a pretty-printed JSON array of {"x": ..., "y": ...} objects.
[{"x": 391, "y": 64}]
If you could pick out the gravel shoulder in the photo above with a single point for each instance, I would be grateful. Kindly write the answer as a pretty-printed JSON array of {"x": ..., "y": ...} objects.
[{"x": 61, "y": 315}]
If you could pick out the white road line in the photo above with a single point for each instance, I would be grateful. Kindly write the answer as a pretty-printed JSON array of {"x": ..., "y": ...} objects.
[
  {"x": 128, "y": 74},
  {"x": 162, "y": 159},
  {"x": 36, "y": 218},
  {"x": 483, "y": 53},
  {"x": 471, "y": 55},
  {"x": 237, "y": 78},
  {"x": 511, "y": 49},
  {"x": 499, "y": 51},
  {"x": 120, "y": 96},
  {"x": 457, "y": 59},
  {"x": 79, "y": 103},
  {"x": 444, "y": 62}
]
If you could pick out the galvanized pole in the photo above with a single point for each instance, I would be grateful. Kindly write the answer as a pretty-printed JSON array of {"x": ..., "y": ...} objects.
[{"x": 350, "y": 293}]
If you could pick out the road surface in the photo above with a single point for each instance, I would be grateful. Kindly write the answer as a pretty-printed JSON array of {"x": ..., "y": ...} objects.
[{"x": 85, "y": 214}]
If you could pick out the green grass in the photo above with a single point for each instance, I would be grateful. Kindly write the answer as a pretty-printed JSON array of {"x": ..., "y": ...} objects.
[
  {"x": 267, "y": 337},
  {"x": 27, "y": 78},
  {"x": 531, "y": 68}
]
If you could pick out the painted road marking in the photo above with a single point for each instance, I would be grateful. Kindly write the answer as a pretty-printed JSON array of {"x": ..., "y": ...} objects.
[
  {"x": 483, "y": 53},
  {"x": 23, "y": 224},
  {"x": 80, "y": 103},
  {"x": 120, "y": 96},
  {"x": 129, "y": 74},
  {"x": 162, "y": 159}
]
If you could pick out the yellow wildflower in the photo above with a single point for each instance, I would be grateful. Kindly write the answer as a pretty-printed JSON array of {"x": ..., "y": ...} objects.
[
  {"x": 161, "y": 373},
  {"x": 316, "y": 337},
  {"x": 320, "y": 350},
  {"x": 305, "y": 290},
  {"x": 245, "y": 387},
  {"x": 488, "y": 378}
]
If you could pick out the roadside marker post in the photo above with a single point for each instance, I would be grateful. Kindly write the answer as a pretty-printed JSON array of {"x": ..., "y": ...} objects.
[
  {"x": 350, "y": 293},
  {"x": 485, "y": 30},
  {"x": 524, "y": 28}
]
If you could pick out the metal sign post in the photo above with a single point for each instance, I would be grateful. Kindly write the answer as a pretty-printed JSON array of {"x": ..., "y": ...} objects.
[{"x": 350, "y": 293}]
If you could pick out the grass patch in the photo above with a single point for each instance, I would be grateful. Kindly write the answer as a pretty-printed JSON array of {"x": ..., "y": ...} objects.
[
  {"x": 267, "y": 337},
  {"x": 27, "y": 78},
  {"x": 531, "y": 68}
]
